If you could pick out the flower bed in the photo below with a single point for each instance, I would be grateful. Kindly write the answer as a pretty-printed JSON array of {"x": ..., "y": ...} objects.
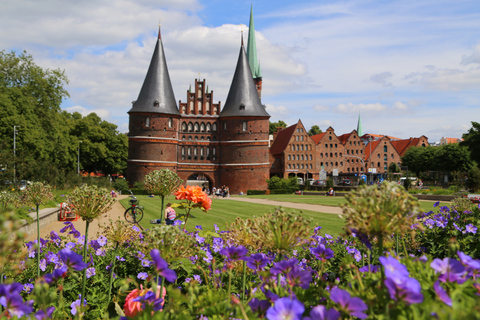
[{"x": 393, "y": 262}]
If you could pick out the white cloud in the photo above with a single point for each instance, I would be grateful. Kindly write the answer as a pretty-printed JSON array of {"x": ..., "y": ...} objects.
[
  {"x": 473, "y": 58},
  {"x": 321, "y": 108},
  {"x": 382, "y": 78},
  {"x": 277, "y": 111},
  {"x": 364, "y": 107}
]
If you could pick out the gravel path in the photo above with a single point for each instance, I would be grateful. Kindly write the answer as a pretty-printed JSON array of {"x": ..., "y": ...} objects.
[{"x": 116, "y": 212}]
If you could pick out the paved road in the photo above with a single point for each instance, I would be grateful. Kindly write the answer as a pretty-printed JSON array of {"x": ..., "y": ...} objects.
[{"x": 301, "y": 206}]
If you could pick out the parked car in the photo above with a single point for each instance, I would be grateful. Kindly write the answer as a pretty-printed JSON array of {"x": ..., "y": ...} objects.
[
  {"x": 347, "y": 182},
  {"x": 300, "y": 180},
  {"x": 319, "y": 183},
  {"x": 311, "y": 181}
]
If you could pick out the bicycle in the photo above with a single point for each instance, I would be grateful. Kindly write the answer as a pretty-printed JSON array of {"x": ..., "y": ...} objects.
[{"x": 134, "y": 214}]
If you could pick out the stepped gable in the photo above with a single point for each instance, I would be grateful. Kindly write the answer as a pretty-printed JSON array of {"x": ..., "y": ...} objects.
[
  {"x": 243, "y": 99},
  {"x": 156, "y": 95},
  {"x": 282, "y": 139}
]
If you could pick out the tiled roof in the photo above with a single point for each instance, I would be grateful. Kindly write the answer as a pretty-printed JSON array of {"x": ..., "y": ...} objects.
[
  {"x": 344, "y": 137},
  {"x": 369, "y": 149},
  {"x": 318, "y": 137},
  {"x": 282, "y": 140},
  {"x": 402, "y": 145}
]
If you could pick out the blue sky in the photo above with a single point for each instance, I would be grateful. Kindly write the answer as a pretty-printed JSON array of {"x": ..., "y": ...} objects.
[{"x": 409, "y": 68}]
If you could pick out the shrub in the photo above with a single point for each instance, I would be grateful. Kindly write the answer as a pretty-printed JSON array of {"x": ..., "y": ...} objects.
[
  {"x": 121, "y": 185},
  {"x": 329, "y": 183},
  {"x": 255, "y": 192}
]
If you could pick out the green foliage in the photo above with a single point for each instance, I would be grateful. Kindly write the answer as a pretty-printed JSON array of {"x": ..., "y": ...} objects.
[
  {"x": 393, "y": 167},
  {"x": 48, "y": 138},
  {"x": 282, "y": 185},
  {"x": 407, "y": 183},
  {"x": 121, "y": 185},
  {"x": 361, "y": 182},
  {"x": 255, "y": 192},
  {"x": 471, "y": 140},
  {"x": 162, "y": 182},
  {"x": 314, "y": 130},
  {"x": 274, "y": 125},
  {"x": 329, "y": 183}
]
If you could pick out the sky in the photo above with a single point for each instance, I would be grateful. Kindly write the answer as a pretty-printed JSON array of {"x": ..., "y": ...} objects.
[{"x": 407, "y": 68}]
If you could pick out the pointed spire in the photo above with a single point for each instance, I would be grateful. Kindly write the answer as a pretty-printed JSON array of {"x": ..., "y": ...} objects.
[
  {"x": 156, "y": 95},
  {"x": 243, "y": 99},
  {"x": 190, "y": 89},
  {"x": 359, "y": 126},
  {"x": 159, "y": 33},
  {"x": 252, "y": 47},
  {"x": 207, "y": 90}
]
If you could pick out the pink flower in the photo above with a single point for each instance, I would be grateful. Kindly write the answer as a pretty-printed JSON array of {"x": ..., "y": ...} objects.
[{"x": 131, "y": 308}]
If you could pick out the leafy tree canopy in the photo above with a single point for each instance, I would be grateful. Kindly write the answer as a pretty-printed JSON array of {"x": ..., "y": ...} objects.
[
  {"x": 471, "y": 140},
  {"x": 274, "y": 125},
  {"x": 48, "y": 138},
  {"x": 314, "y": 130}
]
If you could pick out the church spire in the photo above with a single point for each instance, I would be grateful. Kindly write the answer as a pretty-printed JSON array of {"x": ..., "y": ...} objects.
[
  {"x": 243, "y": 99},
  {"x": 359, "y": 126},
  {"x": 156, "y": 95},
  {"x": 252, "y": 48}
]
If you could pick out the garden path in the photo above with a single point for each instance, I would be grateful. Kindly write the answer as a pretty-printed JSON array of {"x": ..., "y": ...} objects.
[
  {"x": 299, "y": 206},
  {"x": 116, "y": 212}
]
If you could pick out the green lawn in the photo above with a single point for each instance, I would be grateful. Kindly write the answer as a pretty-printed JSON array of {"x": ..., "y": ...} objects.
[{"x": 226, "y": 211}]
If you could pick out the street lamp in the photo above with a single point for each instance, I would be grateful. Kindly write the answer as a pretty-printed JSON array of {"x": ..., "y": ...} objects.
[
  {"x": 15, "y": 132},
  {"x": 78, "y": 157}
]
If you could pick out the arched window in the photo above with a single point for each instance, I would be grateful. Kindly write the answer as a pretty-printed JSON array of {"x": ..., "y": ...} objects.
[
  {"x": 298, "y": 157},
  {"x": 184, "y": 126},
  {"x": 215, "y": 110},
  {"x": 199, "y": 93},
  {"x": 196, "y": 127},
  {"x": 184, "y": 109},
  {"x": 199, "y": 106},
  {"x": 202, "y": 127},
  {"x": 214, "y": 127},
  {"x": 214, "y": 151},
  {"x": 208, "y": 151},
  {"x": 147, "y": 122},
  {"x": 191, "y": 107},
  {"x": 209, "y": 127},
  {"x": 244, "y": 125},
  {"x": 195, "y": 150},
  {"x": 289, "y": 157},
  {"x": 289, "y": 166},
  {"x": 207, "y": 106},
  {"x": 189, "y": 151},
  {"x": 224, "y": 125},
  {"x": 293, "y": 147},
  {"x": 302, "y": 138},
  {"x": 170, "y": 122},
  {"x": 183, "y": 151},
  {"x": 190, "y": 127},
  {"x": 302, "y": 157},
  {"x": 301, "y": 146},
  {"x": 385, "y": 149},
  {"x": 201, "y": 151},
  {"x": 310, "y": 157}
]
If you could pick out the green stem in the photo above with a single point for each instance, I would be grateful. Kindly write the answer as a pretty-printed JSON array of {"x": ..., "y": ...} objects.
[
  {"x": 229, "y": 282},
  {"x": 161, "y": 289},
  {"x": 243, "y": 280},
  {"x": 38, "y": 243},
  {"x": 396, "y": 244},
  {"x": 111, "y": 273},
  {"x": 85, "y": 260}
]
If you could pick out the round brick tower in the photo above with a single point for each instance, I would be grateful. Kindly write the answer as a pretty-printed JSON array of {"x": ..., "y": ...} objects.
[
  {"x": 154, "y": 122},
  {"x": 244, "y": 124}
]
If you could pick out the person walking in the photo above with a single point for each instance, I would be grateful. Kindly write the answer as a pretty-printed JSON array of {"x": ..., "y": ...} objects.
[{"x": 170, "y": 214}]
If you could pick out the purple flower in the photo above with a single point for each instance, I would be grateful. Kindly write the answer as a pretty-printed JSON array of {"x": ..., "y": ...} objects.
[
  {"x": 393, "y": 268},
  {"x": 216, "y": 228},
  {"x": 197, "y": 278},
  {"x": 352, "y": 306},
  {"x": 70, "y": 245},
  {"x": 198, "y": 227},
  {"x": 257, "y": 261},
  {"x": 146, "y": 263},
  {"x": 472, "y": 265},
  {"x": 451, "y": 270},
  {"x": 217, "y": 244},
  {"x": 370, "y": 268},
  {"x": 199, "y": 239},
  {"x": 259, "y": 307},
  {"x": 77, "y": 304},
  {"x": 72, "y": 260},
  {"x": 135, "y": 228},
  {"x": 90, "y": 272},
  {"x": 404, "y": 288},
  {"x": 234, "y": 253},
  {"x": 436, "y": 204},
  {"x": 120, "y": 258},
  {"x": 27, "y": 287},
  {"x": 151, "y": 299},
  {"x": 44, "y": 314},
  {"x": 442, "y": 294},
  {"x": 299, "y": 277},
  {"x": 321, "y": 252},
  {"x": 471, "y": 228},
  {"x": 362, "y": 237},
  {"x": 284, "y": 308},
  {"x": 12, "y": 301},
  {"x": 322, "y": 313},
  {"x": 43, "y": 264},
  {"x": 283, "y": 266},
  {"x": 57, "y": 273},
  {"x": 142, "y": 275},
  {"x": 430, "y": 223},
  {"x": 102, "y": 241},
  {"x": 161, "y": 266}
]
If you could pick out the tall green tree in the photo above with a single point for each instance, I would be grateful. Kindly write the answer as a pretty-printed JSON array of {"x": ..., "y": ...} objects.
[
  {"x": 314, "y": 130},
  {"x": 471, "y": 140}
]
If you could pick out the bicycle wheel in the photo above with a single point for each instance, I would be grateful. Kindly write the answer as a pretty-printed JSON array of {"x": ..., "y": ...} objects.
[
  {"x": 133, "y": 216},
  {"x": 139, "y": 214}
]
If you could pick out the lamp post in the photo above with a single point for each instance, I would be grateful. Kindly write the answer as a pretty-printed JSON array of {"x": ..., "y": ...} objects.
[
  {"x": 78, "y": 157},
  {"x": 15, "y": 132}
]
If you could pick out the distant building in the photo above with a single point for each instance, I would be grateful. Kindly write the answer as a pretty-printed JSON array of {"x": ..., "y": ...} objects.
[{"x": 444, "y": 140}]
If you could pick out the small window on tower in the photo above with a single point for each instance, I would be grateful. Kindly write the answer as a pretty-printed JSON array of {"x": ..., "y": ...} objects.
[
  {"x": 244, "y": 125},
  {"x": 170, "y": 122},
  {"x": 147, "y": 122},
  {"x": 242, "y": 106}
]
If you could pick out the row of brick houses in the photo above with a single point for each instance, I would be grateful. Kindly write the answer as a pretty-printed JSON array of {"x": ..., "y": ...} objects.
[{"x": 294, "y": 153}]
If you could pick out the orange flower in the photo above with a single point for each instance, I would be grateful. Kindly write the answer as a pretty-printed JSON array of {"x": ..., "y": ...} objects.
[
  {"x": 181, "y": 193},
  {"x": 206, "y": 202},
  {"x": 190, "y": 193},
  {"x": 131, "y": 308}
]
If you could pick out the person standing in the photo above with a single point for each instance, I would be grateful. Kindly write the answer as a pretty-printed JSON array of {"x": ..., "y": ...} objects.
[{"x": 170, "y": 214}]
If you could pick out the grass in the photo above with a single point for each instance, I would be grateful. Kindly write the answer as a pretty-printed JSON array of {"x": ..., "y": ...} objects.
[{"x": 225, "y": 211}]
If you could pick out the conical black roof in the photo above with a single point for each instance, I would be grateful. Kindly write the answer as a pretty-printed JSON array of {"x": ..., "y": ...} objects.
[
  {"x": 156, "y": 95},
  {"x": 243, "y": 99}
]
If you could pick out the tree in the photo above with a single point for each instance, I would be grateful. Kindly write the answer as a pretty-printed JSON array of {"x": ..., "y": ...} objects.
[
  {"x": 314, "y": 130},
  {"x": 393, "y": 167},
  {"x": 162, "y": 183},
  {"x": 471, "y": 140},
  {"x": 274, "y": 125}
]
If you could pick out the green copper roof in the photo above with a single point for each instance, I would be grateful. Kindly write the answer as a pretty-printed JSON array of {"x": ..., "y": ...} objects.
[
  {"x": 359, "y": 126},
  {"x": 252, "y": 48}
]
